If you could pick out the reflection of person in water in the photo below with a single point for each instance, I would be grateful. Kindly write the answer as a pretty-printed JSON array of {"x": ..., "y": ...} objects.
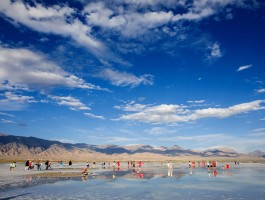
[
  {"x": 113, "y": 174},
  {"x": 114, "y": 165},
  {"x": 140, "y": 175},
  {"x": 84, "y": 178},
  {"x": 84, "y": 171},
  {"x": 169, "y": 169},
  {"x": 190, "y": 171},
  {"x": 214, "y": 172},
  {"x": 28, "y": 178},
  {"x": 139, "y": 167}
]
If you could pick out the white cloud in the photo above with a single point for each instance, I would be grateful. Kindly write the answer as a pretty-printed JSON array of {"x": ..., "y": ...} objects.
[
  {"x": 94, "y": 116},
  {"x": 227, "y": 112},
  {"x": 258, "y": 130},
  {"x": 131, "y": 106},
  {"x": 244, "y": 67},
  {"x": 197, "y": 101},
  {"x": 6, "y": 105},
  {"x": 126, "y": 21},
  {"x": 123, "y": 78},
  {"x": 197, "y": 16},
  {"x": 4, "y": 121},
  {"x": 6, "y": 114},
  {"x": 19, "y": 98},
  {"x": 29, "y": 69},
  {"x": 195, "y": 138},
  {"x": 159, "y": 131},
  {"x": 132, "y": 18},
  {"x": 13, "y": 101},
  {"x": 262, "y": 90},
  {"x": 57, "y": 20},
  {"x": 179, "y": 113},
  {"x": 72, "y": 103},
  {"x": 215, "y": 51}
]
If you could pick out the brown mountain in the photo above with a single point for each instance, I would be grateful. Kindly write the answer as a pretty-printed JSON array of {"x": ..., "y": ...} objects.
[{"x": 19, "y": 147}]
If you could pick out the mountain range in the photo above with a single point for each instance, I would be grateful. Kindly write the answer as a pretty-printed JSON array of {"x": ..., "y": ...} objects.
[{"x": 20, "y": 147}]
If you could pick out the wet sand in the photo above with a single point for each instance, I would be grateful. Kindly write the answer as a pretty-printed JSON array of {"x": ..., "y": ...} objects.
[{"x": 19, "y": 177}]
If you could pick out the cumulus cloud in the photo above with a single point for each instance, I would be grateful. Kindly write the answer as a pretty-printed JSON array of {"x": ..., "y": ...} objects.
[
  {"x": 23, "y": 69},
  {"x": 129, "y": 24},
  {"x": 155, "y": 22},
  {"x": 119, "y": 78},
  {"x": 14, "y": 101},
  {"x": 243, "y": 67},
  {"x": 227, "y": 112},
  {"x": 132, "y": 18},
  {"x": 71, "y": 102},
  {"x": 179, "y": 113},
  {"x": 19, "y": 98},
  {"x": 57, "y": 20},
  {"x": 90, "y": 115},
  {"x": 105, "y": 19}
]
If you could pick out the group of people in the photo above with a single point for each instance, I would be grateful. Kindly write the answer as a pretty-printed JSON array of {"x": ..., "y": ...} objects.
[
  {"x": 29, "y": 165},
  {"x": 136, "y": 167}
]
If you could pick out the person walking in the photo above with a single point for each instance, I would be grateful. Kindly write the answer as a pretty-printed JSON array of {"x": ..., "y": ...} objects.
[{"x": 27, "y": 165}]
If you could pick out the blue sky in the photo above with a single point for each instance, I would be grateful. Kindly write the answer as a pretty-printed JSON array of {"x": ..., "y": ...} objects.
[{"x": 123, "y": 72}]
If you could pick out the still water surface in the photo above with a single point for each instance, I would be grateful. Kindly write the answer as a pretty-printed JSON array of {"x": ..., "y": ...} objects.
[{"x": 244, "y": 181}]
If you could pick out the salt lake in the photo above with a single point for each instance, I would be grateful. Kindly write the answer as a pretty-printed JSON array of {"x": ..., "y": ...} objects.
[{"x": 243, "y": 181}]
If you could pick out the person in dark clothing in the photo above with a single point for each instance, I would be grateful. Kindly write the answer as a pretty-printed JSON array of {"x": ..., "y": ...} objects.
[{"x": 27, "y": 165}]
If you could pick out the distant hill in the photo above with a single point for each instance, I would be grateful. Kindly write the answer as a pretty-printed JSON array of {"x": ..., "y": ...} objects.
[
  {"x": 257, "y": 153},
  {"x": 31, "y": 147}
]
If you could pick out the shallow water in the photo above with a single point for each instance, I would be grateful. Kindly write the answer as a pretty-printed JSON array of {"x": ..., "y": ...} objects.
[{"x": 244, "y": 181}]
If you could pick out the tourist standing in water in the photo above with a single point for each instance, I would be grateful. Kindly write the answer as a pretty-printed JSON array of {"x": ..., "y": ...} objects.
[
  {"x": 27, "y": 165},
  {"x": 169, "y": 169}
]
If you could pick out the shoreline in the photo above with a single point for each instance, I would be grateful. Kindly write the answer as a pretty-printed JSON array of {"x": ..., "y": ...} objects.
[{"x": 4, "y": 160}]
